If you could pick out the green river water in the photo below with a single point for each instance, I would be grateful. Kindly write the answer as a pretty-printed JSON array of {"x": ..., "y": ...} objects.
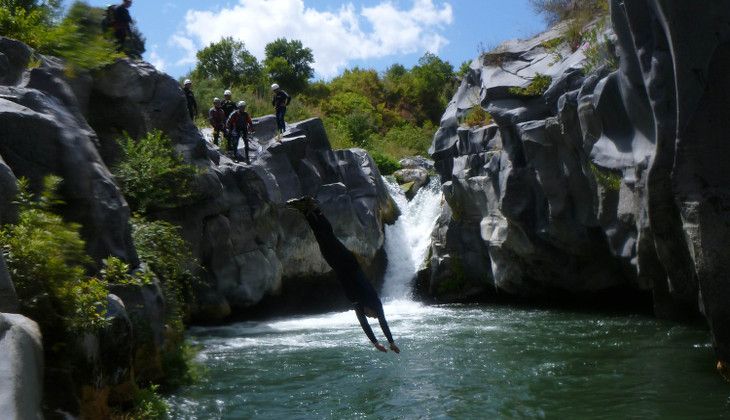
[{"x": 457, "y": 362}]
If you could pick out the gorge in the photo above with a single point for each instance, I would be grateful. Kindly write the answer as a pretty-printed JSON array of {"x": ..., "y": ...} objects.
[{"x": 581, "y": 182}]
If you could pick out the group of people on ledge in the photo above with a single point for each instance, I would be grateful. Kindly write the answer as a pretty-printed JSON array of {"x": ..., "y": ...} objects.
[{"x": 230, "y": 118}]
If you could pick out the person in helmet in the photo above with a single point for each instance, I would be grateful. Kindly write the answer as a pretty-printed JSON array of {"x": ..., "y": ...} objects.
[
  {"x": 239, "y": 125},
  {"x": 217, "y": 120},
  {"x": 190, "y": 97},
  {"x": 355, "y": 284},
  {"x": 280, "y": 102},
  {"x": 228, "y": 104}
]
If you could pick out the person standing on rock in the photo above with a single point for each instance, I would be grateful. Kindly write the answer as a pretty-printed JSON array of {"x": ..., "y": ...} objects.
[
  {"x": 190, "y": 97},
  {"x": 356, "y": 286},
  {"x": 228, "y": 104},
  {"x": 217, "y": 120},
  {"x": 122, "y": 23},
  {"x": 280, "y": 102},
  {"x": 239, "y": 125}
]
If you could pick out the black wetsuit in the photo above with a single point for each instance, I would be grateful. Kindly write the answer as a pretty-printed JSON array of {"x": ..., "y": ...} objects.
[
  {"x": 356, "y": 286},
  {"x": 122, "y": 25}
]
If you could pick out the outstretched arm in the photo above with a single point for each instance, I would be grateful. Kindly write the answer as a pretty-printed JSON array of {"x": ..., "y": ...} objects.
[{"x": 366, "y": 327}]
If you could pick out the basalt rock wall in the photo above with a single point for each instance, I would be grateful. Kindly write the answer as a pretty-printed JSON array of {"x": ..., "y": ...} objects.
[{"x": 609, "y": 178}]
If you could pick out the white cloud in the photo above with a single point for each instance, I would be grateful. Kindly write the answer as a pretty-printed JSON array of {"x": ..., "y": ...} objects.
[
  {"x": 187, "y": 45},
  {"x": 155, "y": 59},
  {"x": 335, "y": 37}
]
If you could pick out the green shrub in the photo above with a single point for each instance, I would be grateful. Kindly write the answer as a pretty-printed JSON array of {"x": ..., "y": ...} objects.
[
  {"x": 152, "y": 175},
  {"x": 386, "y": 164},
  {"x": 180, "y": 366},
  {"x": 149, "y": 404},
  {"x": 162, "y": 247},
  {"x": 476, "y": 116},
  {"x": 46, "y": 258},
  {"x": 116, "y": 271},
  {"x": 539, "y": 84},
  {"x": 74, "y": 39}
]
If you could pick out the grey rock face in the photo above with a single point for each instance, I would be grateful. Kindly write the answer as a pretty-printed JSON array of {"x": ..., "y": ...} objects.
[
  {"x": 57, "y": 140},
  {"x": 14, "y": 58},
  {"x": 615, "y": 179},
  {"x": 21, "y": 368}
]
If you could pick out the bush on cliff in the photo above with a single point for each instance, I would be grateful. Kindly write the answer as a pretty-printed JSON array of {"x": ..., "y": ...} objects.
[
  {"x": 46, "y": 258},
  {"x": 152, "y": 175}
]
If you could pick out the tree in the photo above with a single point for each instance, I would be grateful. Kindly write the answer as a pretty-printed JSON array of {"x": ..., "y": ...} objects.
[
  {"x": 230, "y": 62},
  {"x": 434, "y": 83},
  {"x": 289, "y": 64}
]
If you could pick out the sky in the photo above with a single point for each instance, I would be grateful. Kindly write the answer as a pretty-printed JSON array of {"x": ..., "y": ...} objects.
[{"x": 341, "y": 33}]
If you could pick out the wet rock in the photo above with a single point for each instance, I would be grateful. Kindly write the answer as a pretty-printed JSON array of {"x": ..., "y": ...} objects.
[{"x": 411, "y": 180}]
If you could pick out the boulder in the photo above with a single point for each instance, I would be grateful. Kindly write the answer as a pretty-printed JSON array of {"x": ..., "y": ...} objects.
[
  {"x": 8, "y": 298},
  {"x": 21, "y": 367}
]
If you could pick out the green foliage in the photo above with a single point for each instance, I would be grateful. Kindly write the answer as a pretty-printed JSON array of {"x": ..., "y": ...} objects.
[
  {"x": 607, "y": 179},
  {"x": 46, "y": 258},
  {"x": 152, "y": 175},
  {"x": 230, "y": 62},
  {"x": 116, "y": 271},
  {"x": 77, "y": 38},
  {"x": 554, "y": 11},
  {"x": 476, "y": 116},
  {"x": 386, "y": 164},
  {"x": 463, "y": 69},
  {"x": 161, "y": 246},
  {"x": 180, "y": 366},
  {"x": 539, "y": 84},
  {"x": 149, "y": 404},
  {"x": 600, "y": 50},
  {"x": 289, "y": 64},
  {"x": 405, "y": 140}
]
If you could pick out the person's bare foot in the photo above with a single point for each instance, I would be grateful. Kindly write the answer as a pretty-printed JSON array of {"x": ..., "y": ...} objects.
[
  {"x": 380, "y": 347},
  {"x": 394, "y": 348}
]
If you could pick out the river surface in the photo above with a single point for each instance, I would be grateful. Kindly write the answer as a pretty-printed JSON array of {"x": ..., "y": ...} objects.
[{"x": 456, "y": 361}]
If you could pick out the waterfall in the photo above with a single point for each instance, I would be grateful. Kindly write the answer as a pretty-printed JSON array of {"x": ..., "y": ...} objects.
[{"x": 408, "y": 239}]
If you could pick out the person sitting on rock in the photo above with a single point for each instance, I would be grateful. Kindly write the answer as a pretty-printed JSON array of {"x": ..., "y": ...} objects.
[
  {"x": 228, "y": 104},
  {"x": 217, "y": 120},
  {"x": 239, "y": 125},
  {"x": 190, "y": 98},
  {"x": 356, "y": 286},
  {"x": 280, "y": 102}
]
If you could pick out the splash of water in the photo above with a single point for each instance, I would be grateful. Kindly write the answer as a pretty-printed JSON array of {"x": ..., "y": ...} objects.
[{"x": 408, "y": 239}]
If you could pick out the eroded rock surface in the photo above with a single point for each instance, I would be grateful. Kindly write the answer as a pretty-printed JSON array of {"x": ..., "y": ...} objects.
[{"x": 613, "y": 179}]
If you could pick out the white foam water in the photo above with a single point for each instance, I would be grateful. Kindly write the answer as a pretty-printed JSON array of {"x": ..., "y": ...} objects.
[{"x": 408, "y": 239}]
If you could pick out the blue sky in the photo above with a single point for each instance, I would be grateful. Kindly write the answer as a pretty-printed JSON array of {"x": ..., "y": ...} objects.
[{"x": 342, "y": 34}]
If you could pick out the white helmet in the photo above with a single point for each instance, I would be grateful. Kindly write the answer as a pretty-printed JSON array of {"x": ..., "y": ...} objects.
[
  {"x": 187, "y": 82},
  {"x": 241, "y": 105},
  {"x": 227, "y": 92},
  {"x": 274, "y": 86},
  {"x": 216, "y": 100}
]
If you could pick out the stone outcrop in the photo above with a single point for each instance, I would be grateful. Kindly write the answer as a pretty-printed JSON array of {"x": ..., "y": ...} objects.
[
  {"x": 21, "y": 368},
  {"x": 613, "y": 179}
]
